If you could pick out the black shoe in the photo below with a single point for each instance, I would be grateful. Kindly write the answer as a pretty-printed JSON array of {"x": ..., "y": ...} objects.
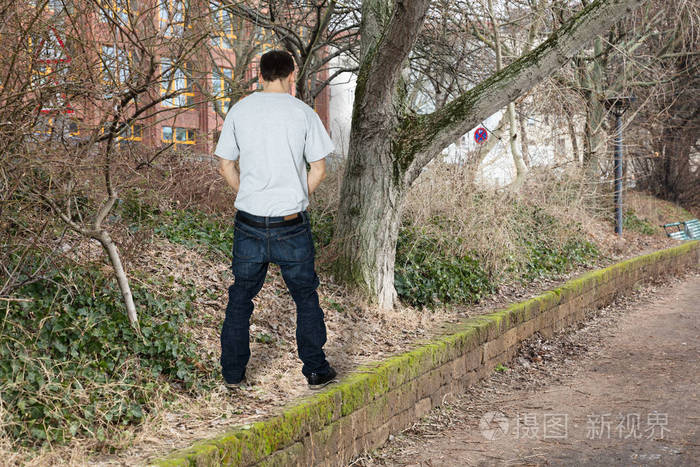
[{"x": 317, "y": 381}]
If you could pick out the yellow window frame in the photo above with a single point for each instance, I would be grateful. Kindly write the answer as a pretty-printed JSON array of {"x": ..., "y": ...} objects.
[
  {"x": 224, "y": 35},
  {"x": 49, "y": 7},
  {"x": 264, "y": 40},
  {"x": 119, "y": 8},
  {"x": 48, "y": 74},
  {"x": 48, "y": 128},
  {"x": 218, "y": 79},
  {"x": 115, "y": 74},
  {"x": 190, "y": 137},
  {"x": 187, "y": 90},
  {"x": 166, "y": 23},
  {"x": 134, "y": 133},
  {"x": 42, "y": 71}
]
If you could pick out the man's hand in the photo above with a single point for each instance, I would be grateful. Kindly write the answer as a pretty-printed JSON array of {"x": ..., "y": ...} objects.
[
  {"x": 230, "y": 172},
  {"x": 316, "y": 174}
]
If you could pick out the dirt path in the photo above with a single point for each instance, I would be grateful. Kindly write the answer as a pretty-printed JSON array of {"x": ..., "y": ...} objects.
[{"x": 622, "y": 390}]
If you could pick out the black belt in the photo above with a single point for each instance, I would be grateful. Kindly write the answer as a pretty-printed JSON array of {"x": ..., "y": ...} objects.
[{"x": 284, "y": 223}]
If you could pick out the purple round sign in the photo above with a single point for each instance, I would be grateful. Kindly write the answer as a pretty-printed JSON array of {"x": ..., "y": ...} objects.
[{"x": 480, "y": 135}]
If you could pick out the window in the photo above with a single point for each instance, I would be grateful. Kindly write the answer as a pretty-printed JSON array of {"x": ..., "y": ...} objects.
[
  {"x": 263, "y": 38},
  {"x": 133, "y": 132},
  {"x": 49, "y": 74},
  {"x": 167, "y": 136},
  {"x": 172, "y": 15},
  {"x": 44, "y": 127},
  {"x": 56, "y": 127},
  {"x": 177, "y": 135},
  {"x": 115, "y": 10},
  {"x": 115, "y": 65},
  {"x": 223, "y": 23},
  {"x": 175, "y": 81},
  {"x": 221, "y": 88},
  {"x": 41, "y": 76},
  {"x": 55, "y": 6},
  {"x": 254, "y": 72},
  {"x": 51, "y": 6}
]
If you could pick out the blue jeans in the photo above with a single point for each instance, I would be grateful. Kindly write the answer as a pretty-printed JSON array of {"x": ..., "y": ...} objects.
[{"x": 292, "y": 248}]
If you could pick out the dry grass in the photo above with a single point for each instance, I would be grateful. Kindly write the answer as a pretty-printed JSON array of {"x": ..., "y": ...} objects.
[
  {"x": 491, "y": 221},
  {"x": 488, "y": 220},
  {"x": 656, "y": 211}
]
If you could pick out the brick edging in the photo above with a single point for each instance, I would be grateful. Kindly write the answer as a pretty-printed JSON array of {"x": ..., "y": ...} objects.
[{"x": 359, "y": 413}]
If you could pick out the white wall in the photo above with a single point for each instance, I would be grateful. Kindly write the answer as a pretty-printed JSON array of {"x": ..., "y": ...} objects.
[
  {"x": 549, "y": 140},
  {"x": 340, "y": 108}
]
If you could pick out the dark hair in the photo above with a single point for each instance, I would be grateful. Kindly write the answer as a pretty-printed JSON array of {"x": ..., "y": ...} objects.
[{"x": 276, "y": 64}]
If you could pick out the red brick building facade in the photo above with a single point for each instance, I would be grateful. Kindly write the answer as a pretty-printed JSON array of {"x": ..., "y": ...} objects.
[{"x": 189, "y": 119}]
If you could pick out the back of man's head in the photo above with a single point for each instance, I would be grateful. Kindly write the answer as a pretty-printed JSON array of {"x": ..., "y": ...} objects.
[{"x": 276, "y": 64}]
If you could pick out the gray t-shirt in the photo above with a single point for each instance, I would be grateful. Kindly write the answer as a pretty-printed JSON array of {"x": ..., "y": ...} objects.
[{"x": 272, "y": 133}]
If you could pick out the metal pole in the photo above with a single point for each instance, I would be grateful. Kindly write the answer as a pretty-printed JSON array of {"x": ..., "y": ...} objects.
[{"x": 618, "y": 176}]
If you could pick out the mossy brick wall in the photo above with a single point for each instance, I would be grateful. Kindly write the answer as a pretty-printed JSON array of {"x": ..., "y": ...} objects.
[{"x": 359, "y": 413}]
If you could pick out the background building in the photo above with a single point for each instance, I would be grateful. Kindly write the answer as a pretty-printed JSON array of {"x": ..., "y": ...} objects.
[{"x": 198, "y": 59}]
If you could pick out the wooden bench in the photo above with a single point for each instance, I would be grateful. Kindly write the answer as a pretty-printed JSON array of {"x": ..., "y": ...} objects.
[{"x": 686, "y": 230}]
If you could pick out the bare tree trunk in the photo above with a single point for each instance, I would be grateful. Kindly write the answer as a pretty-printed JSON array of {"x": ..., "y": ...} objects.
[
  {"x": 596, "y": 115},
  {"x": 372, "y": 224},
  {"x": 371, "y": 195},
  {"x": 97, "y": 232},
  {"x": 524, "y": 142},
  {"x": 572, "y": 135},
  {"x": 596, "y": 137},
  {"x": 389, "y": 149},
  {"x": 106, "y": 241},
  {"x": 520, "y": 167}
]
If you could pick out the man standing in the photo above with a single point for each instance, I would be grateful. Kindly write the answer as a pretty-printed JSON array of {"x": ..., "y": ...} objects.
[{"x": 272, "y": 133}]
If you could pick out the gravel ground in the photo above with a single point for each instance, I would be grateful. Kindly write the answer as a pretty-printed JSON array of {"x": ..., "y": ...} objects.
[{"x": 618, "y": 389}]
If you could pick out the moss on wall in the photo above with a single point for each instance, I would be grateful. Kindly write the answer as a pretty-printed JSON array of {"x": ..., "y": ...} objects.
[{"x": 368, "y": 385}]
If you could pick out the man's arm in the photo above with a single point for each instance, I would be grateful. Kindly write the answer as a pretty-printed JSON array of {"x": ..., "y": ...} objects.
[
  {"x": 230, "y": 172},
  {"x": 316, "y": 174}
]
